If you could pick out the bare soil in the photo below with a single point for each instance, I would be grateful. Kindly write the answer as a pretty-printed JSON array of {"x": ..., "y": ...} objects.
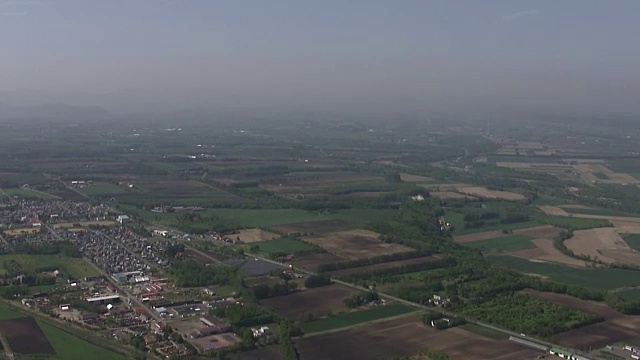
[
  {"x": 25, "y": 336},
  {"x": 595, "y": 242},
  {"x": 253, "y": 235},
  {"x": 317, "y": 301},
  {"x": 486, "y": 193},
  {"x": 450, "y": 195},
  {"x": 405, "y": 336},
  {"x": 311, "y": 262},
  {"x": 355, "y": 244}
]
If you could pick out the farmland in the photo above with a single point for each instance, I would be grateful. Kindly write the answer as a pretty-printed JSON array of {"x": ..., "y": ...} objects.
[
  {"x": 314, "y": 303},
  {"x": 25, "y": 336},
  {"x": 601, "y": 279},
  {"x": 355, "y": 317},
  {"x": 406, "y": 336},
  {"x": 73, "y": 267},
  {"x": 632, "y": 240},
  {"x": 283, "y": 245},
  {"x": 504, "y": 243},
  {"x": 355, "y": 244},
  {"x": 27, "y": 194}
]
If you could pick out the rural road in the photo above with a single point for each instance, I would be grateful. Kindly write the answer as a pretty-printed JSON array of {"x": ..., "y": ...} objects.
[{"x": 420, "y": 306}]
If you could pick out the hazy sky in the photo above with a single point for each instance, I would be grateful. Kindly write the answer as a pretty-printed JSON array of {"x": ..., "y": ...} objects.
[{"x": 335, "y": 55}]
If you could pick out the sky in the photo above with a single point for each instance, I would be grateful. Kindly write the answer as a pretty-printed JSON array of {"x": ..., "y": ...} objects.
[{"x": 309, "y": 55}]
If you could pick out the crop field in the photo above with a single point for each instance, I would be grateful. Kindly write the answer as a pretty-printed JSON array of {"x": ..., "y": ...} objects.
[
  {"x": 28, "y": 194},
  {"x": 264, "y": 353},
  {"x": 317, "y": 302},
  {"x": 633, "y": 294},
  {"x": 25, "y": 336},
  {"x": 177, "y": 189},
  {"x": 632, "y": 240},
  {"x": 311, "y": 262},
  {"x": 603, "y": 243},
  {"x": 457, "y": 220},
  {"x": 414, "y": 178},
  {"x": 380, "y": 266},
  {"x": 69, "y": 347},
  {"x": 575, "y": 223},
  {"x": 73, "y": 267},
  {"x": 504, "y": 243},
  {"x": 483, "y": 192},
  {"x": 356, "y": 317},
  {"x": 314, "y": 227},
  {"x": 537, "y": 232},
  {"x": 596, "y": 211},
  {"x": 107, "y": 189},
  {"x": 600, "y": 279},
  {"x": 283, "y": 245},
  {"x": 355, "y": 244},
  {"x": 253, "y": 235},
  {"x": 29, "y": 336},
  {"x": 450, "y": 195},
  {"x": 406, "y": 336},
  {"x": 315, "y": 183}
]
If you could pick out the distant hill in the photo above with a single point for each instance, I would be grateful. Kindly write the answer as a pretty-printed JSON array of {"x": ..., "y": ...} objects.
[{"x": 54, "y": 113}]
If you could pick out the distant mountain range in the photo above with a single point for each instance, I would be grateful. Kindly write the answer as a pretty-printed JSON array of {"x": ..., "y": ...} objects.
[{"x": 54, "y": 112}]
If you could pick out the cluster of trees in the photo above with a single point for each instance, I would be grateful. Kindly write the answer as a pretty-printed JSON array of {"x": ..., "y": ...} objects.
[
  {"x": 488, "y": 215},
  {"x": 173, "y": 249},
  {"x": 319, "y": 280},
  {"x": 358, "y": 300},
  {"x": 372, "y": 260},
  {"x": 264, "y": 291},
  {"x": 403, "y": 269},
  {"x": 248, "y": 314},
  {"x": 527, "y": 315},
  {"x": 190, "y": 273},
  {"x": 287, "y": 331}
]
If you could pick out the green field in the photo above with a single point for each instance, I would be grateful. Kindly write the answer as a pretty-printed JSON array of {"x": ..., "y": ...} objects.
[
  {"x": 66, "y": 345},
  {"x": 356, "y": 317},
  {"x": 105, "y": 189},
  {"x": 505, "y": 243},
  {"x": 633, "y": 294},
  {"x": 601, "y": 175},
  {"x": 633, "y": 240},
  {"x": 283, "y": 245},
  {"x": 599, "y": 211},
  {"x": 28, "y": 194},
  {"x": 457, "y": 220},
  {"x": 600, "y": 279},
  {"x": 573, "y": 223},
  {"x": 73, "y": 267},
  {"x": 69, "y": 347}
]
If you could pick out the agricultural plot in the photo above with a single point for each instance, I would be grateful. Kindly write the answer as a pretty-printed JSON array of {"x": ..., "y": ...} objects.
[
  {"x": 504, "y": 243},
  {"x": 253, "y": 235},
  {"x": 25, "y": 336},
  {"x": 632, "y": 240},
  {"x": 311, "y": 303},
  {"x": 604, "y": 244},
  {"x": 311, "y": 262},
  {"x": 457, "y": 220},
  {"x": 577, "y": 222},
  {"x": 315, "y": 183},
  {"x": 356, "y": 317},
  {"x": 483, "y": 192},
  {"x": 27, "y": 194},
  {"x": 599, "y": 279},
  {"x": 107, "y": 189},
  {"x": 284, "y": 245},
  {"x": 69, "y": 347},
  {"x": 72, "y": 267},
  {"x": 406, "y": 336},
  {"x": 314, "y": 227},
  {"x": 414, "y": 178},
  {"x": 355, "y": 244},
  {"x": 380, "y": 266}
]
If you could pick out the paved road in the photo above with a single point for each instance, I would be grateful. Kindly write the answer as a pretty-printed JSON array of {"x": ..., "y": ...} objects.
[{"x": 410, "y": 303}]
